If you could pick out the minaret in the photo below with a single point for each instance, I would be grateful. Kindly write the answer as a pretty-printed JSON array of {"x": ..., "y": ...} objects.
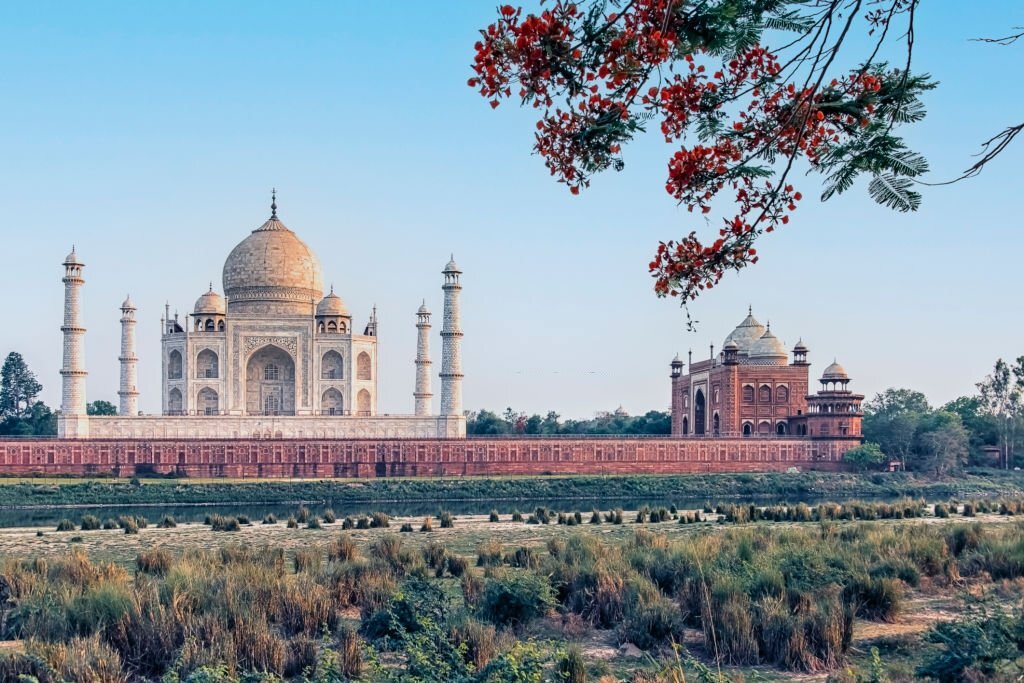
[
  {"x": 73, "y": 422},
  {"x": 129, "y": 375},
  {"x": 422, "y": 392},
  {"x": 451, "y": 343}
]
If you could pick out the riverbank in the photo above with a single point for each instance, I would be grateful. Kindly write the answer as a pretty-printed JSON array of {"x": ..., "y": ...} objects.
[{"x": 810, "y": 486}]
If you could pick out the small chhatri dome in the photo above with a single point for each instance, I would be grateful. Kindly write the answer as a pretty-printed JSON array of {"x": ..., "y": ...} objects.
[
  {"x": 127, "y": 304},
  {"x": 423, "y": 309},
  {"x": 835, "y": 373},
  {"x": 72, "y": 258},
  {"x": 768, "y": 347},
  {"x": 332, "y": 305},
  {"x": 746, "y": 334},
  {"x": 210, "y": 303},
  {"x": 452, "y": 267},
  {"x": 273, "y": 265},
  {"x": 800, "y": 346},
  {"x": 730, "y": 345}
]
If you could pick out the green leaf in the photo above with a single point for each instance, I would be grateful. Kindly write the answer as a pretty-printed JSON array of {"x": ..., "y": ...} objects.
[{"x": 893, "y": 191}]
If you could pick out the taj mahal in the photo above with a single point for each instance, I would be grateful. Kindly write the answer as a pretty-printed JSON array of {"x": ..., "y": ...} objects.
[{"x": 273, "y": 357}]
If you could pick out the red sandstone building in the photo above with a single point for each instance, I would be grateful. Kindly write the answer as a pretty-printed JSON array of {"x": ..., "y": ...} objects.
[{"x": 752, "y": 389}]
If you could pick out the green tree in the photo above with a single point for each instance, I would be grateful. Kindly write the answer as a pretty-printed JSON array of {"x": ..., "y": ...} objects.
[
  {"x": 18, "y": 387},
  {"x": 101, "y": 408},
  {"x": 485, "y": 422},
  {"x": 891, "y": 420},
  {"x": 943, "y": 443},
  {"x": 1002, "y": 397},
  {"x": 981, "y": 427},
  {"x": 866, "y": 456}
]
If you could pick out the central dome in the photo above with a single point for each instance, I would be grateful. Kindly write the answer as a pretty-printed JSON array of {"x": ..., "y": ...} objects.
[{"x": 272, "y": 266}]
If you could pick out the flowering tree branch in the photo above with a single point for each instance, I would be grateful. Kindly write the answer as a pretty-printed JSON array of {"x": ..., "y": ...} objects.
[{"x": 740, "y": 113}]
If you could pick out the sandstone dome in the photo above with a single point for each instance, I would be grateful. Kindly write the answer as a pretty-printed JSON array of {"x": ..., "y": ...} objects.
[
  {"x": 273, "y": 271},
  {"x": 834, "y": 373}
]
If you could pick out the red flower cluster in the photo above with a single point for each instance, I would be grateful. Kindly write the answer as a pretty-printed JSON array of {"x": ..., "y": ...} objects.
[{"x": 611, "y": 76}]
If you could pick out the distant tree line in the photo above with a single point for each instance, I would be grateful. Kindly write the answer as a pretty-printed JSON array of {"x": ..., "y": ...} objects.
[
  {"x": 618, "y": 422},
  {"x": 901, "y": 426},
  {"x": 21, "y": 413}
]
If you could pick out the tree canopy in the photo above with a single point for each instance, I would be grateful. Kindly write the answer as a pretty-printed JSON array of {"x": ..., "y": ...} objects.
[
  {"x": 511, "y": 422},
  {"x": 21, "y": 414},
  {"x": 748, "y": 92},
  {"x": 18, "y": 387},
  {"x": 101, "y": 408}
]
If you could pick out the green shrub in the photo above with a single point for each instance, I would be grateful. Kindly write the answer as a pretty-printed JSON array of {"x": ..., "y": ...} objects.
[
  {"x": 517, "y": 516},
  {"x": 243, "y": 519},
  {"x": 66, "y": 525},
  {"x": 406, "y": 528},
  {"x": 270, "y": 518},
  {"x": 974, "y": 649},
  {"x": 363, "y": 523},
  {"x": 457, "y": 565},
  {"x": 109, "y": 524},
  {"x": 90, "y": 523},
  {"x": 303, "y": 514},
  {"x": 379, "y": 520},
  {"x": 167, "y": 522},
  {"x": 428, "y": 524},
  {"x": 494, "y": 516},
  {"x": 292, "y": 523},
  {"x": 329, "y": 516},
  {"x": 314, "y": 523},
  {"x": 129, "y": 525},
  {"x": 446, "y": 519},
  {"x": 515, "y": 599},
  {"x": 595, "y": 517}
]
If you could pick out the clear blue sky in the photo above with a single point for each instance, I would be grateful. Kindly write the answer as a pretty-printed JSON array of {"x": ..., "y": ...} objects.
[{"x": 150, "y": 135}]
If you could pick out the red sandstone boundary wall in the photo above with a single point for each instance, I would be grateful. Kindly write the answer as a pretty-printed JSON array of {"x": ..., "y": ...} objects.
[{"x": 322, "y": 458}]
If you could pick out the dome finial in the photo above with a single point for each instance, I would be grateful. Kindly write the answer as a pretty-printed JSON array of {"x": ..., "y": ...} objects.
[
  {"x": 211, "y": 286},
  {"x": 750, "y": 309},
  {"x": 273, "y": 203}
]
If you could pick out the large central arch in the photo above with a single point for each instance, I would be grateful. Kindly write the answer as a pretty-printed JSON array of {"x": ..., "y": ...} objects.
[{"x": 270, "y": 382}]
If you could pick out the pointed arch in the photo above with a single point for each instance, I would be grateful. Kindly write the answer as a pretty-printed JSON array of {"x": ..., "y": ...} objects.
[
  {"x": 363, "y": 402},
  {"x": 331, "y": 403},
  {"x": 207, "y": 365},
  {"x": 363, "y": 366},
  {"x": 700, "y": 418},
  {"x": 332, "y": 366},
  {"x": 174, "y": 403},
  {"x": 174, "y": 364},
  {"x": 270, "y": 382},
  {"x": 208, "y": 401}
]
